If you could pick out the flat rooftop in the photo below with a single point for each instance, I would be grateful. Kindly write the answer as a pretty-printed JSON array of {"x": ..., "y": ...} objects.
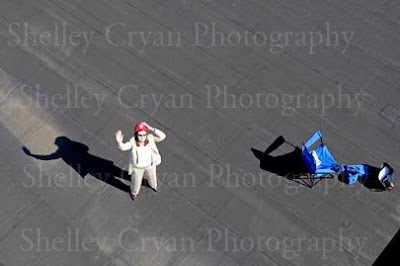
[{"x": 219, "y": 78}]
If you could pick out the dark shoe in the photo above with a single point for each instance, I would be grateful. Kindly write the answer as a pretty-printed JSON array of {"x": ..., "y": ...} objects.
[{"x": 133, "y": 197}]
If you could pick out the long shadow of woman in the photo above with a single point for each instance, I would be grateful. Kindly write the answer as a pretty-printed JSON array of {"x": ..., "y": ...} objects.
[{"x": 77, "y": 156}]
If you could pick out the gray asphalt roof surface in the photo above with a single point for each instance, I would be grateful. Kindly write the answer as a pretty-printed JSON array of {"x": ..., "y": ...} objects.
[{"x": 219, "y": 78}]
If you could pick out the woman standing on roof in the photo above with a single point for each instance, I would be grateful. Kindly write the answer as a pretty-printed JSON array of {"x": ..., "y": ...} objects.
[{"x": 144, "y": 155}]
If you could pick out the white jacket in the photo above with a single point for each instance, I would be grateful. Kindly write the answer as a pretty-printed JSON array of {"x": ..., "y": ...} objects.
[{"x": 156, "y": 136}]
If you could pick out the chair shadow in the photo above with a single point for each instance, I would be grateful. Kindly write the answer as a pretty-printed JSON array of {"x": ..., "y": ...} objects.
[
  {"x": 77, "y": 156},
  {"x": 289, "y": 165}
]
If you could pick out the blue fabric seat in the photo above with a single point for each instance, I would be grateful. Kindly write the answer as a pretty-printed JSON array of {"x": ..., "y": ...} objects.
[{"x": 319, "y": 162}]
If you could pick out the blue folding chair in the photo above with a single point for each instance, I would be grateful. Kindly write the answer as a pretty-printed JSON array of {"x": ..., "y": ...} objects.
[{"x": 319, "y": 162}]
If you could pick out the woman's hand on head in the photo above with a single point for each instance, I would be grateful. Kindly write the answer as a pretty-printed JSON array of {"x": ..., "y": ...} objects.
[{"x": 148, "y": 126}]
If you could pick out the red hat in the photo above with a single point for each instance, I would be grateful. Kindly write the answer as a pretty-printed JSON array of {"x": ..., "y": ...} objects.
[{"x": 141, "y": 127}]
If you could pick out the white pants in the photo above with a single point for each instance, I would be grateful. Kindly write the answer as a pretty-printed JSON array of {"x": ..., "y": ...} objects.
[{"x": 137, "y": 177}]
